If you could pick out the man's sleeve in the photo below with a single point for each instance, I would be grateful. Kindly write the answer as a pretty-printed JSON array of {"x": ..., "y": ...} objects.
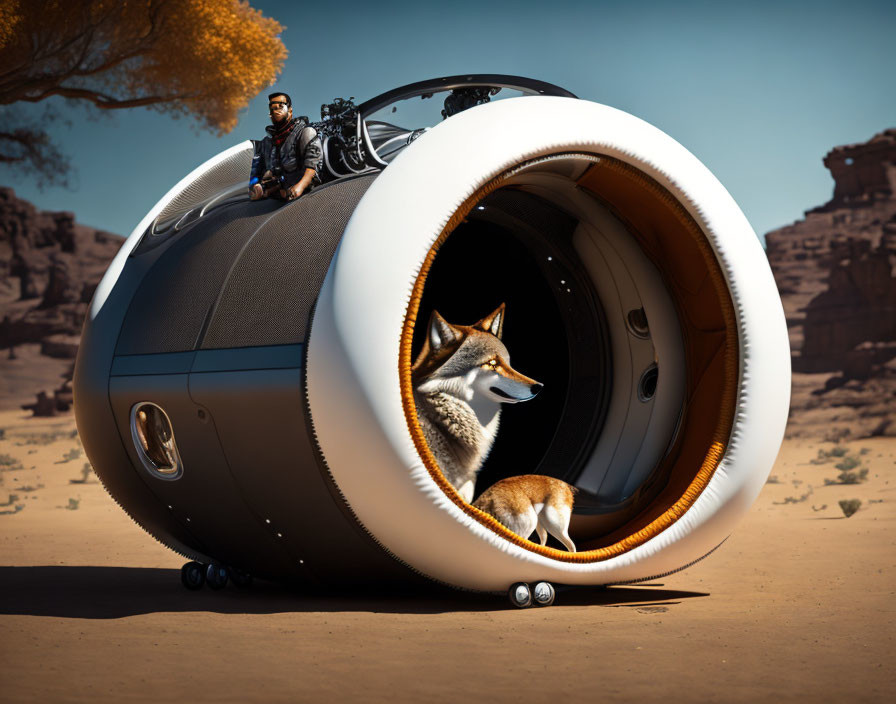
[
  {"x": 256, "y": 171},
  {"x": 310, "y": 151}
]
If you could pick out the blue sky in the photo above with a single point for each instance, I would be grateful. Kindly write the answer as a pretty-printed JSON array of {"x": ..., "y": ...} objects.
[{"x": 758, "y": 91}]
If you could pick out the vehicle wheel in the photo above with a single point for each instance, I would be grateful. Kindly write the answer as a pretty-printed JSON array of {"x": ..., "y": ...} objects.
[
  {"x": 192, "y": 575},
  {"x": 520, "y": 595},
  {"x": 544, "y": 593},
  {"x": 216, "y": 576},
  {"x": 239, "y": 578}
]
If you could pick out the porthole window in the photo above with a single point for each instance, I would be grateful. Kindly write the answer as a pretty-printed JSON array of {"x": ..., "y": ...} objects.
[{"x": 153, "y": 438}]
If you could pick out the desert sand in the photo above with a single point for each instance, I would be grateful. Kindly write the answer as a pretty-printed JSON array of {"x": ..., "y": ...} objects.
[{"x": 798, "y": 605}]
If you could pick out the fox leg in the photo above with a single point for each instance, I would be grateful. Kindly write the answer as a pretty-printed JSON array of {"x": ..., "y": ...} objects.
[
  {"x": 542, "y": 533},
  {"x": 523, "y": 524},
  {"x": 557, "y": 523},
  {"x": 466, "y": 490}
]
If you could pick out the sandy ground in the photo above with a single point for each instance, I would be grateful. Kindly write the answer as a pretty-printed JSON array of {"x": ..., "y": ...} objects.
[{"x": 797, "y": 606}]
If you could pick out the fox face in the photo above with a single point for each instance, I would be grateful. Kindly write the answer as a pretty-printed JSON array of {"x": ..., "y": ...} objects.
[{"x": 470, "y": 362}]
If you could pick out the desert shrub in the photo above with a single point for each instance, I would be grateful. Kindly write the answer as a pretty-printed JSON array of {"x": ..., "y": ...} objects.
[
  {"x": 853, "y": 477},
  {"x": 2, "y": 433},
  {"x": 794, "y": 499},
  {"x": 72, "y": 454},
  {"x": 12, "y": 499},
  {"x": 73, "y": 504},
  {"x": 85, "y": 475},
  {"x": 773, "y": 479},
  {"x": 825, "y": 456},
  {"x": 850, "y": 506},
  {"x": 849, "y": 477},
  {"x": 8, "y": 462},
  {"x": 848, "y": 462}
]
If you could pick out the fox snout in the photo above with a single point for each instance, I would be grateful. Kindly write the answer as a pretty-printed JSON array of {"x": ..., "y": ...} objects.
[{"x": 529, "y": 392}]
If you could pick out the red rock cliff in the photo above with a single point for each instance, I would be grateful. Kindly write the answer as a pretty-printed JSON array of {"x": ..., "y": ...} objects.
[{"x": 836, "y": 272}]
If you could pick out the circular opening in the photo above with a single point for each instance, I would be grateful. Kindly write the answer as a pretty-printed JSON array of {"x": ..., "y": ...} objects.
[
  {"x": 647, "y": 383},
  {"x": 637, "y": 323},
  {"x": 577, "y": 248},
  {"x": 153, "y": 439}
]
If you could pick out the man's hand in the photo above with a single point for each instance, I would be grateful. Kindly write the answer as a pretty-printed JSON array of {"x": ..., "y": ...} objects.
[{"x": 256, "y": 192}]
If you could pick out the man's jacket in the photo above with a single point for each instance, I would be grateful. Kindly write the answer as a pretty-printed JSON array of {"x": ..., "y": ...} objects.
[{"x": 299, "y": 150}]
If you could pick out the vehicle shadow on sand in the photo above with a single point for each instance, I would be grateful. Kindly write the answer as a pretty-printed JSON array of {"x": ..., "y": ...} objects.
[{"x": 117, "y": 592}]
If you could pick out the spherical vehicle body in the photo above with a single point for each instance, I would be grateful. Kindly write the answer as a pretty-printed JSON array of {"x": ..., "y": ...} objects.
[{"x": 243, "y": 387}]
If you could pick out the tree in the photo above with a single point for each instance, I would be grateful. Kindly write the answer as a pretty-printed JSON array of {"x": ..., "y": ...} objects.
[{"x": 203, "y": 58}]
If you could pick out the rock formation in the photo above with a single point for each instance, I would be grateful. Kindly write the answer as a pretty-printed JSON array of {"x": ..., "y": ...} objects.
[
  {"x": 836, "y": 272},
  {"x": 49, "y": 268}
]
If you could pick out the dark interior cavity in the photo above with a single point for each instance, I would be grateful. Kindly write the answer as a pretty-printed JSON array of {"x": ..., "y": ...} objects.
[{"x": 515, "y": 248}]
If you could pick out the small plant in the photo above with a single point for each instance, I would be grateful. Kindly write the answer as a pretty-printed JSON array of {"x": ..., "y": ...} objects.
[
  {"x": 848, "y": 462},
  {"x": 847, "y": 477},
  {"x": 86, "y": 470},
  {"x": 2, "y": 433},
  {"x": 864, "y": 450},
  {"x": 773, "y": 479},
  {"x": 12, "y": 499},
  {"x": 9, "y": 463},
  {"x": 72, "y": 454},
  {"x": 850, "y": 506},
  {"x": 794, "y": 499},
  {"x": 14, "y": 509},
  {"x": 819, "y": 508},
  {"x": 74, "y": 433},
  {"x": 825, "y": 456},
  {"x": 73, "y": 504}
]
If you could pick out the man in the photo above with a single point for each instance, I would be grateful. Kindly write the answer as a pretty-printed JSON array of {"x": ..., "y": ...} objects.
[{"x": 287, "y": 160}]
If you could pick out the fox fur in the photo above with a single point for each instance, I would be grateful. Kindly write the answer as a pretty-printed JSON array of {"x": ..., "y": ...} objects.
[
  {"x": 461, "y": 378},
  {"x": 531, "y": 503}
]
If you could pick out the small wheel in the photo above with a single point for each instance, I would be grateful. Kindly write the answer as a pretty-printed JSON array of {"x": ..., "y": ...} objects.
[
  {"x": 520, "y": 595},
  {"x": 216, "y": 576},
  {"x": 240, "y": 578},
  {"x": 192, "y": 575},
  {"x": 544, "y": 593}
]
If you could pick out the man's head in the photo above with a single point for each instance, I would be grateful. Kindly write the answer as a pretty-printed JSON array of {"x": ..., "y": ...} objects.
[{"x": 280, "y": 107}]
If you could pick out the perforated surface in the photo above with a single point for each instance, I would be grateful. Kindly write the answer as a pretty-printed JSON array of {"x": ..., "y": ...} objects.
[
  {"x": 269, "y": 294},
  {"x": 168, "y": 311},
  {"x": 231, "y": 171}
]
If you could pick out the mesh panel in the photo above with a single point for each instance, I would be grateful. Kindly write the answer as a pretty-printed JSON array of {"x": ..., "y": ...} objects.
[
  {"x": 231, "y": 171},
  {"x": 275, "y": 283},
  {"x": 170, "y": 307}
]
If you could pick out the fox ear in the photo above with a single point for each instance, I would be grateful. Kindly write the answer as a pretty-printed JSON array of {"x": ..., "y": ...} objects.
[
  {"x": 440, "y": 332},
  {"x": 493, "y": 323}
]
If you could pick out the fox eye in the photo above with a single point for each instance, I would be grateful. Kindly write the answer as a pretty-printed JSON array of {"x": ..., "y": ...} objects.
[{"x": 491, "y": 364}]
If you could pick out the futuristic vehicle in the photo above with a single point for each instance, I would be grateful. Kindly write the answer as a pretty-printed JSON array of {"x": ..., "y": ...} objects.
[{"x": 243, "y": 383}]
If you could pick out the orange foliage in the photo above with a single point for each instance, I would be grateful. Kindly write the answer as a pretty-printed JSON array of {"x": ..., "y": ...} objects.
[{"x": 206, "y": 58}]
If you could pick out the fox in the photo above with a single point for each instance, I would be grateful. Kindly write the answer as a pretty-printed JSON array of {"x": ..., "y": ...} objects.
[
  {"x": 461, "y": 378},
  {"x": 531, "y": 503}
]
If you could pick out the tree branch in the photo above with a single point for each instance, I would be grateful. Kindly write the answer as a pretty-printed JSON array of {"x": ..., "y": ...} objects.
[{"x": 105, "y": 102}]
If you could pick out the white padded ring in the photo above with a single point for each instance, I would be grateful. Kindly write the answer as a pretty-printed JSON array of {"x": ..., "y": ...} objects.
[{"x": 353, "y": 378}]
